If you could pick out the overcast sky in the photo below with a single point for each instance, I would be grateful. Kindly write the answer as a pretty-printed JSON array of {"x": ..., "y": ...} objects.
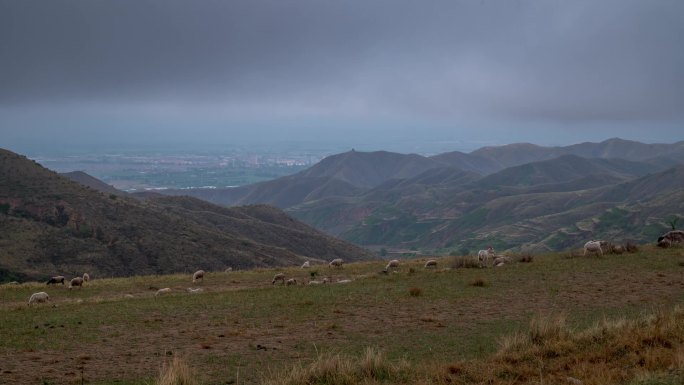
[{"x": 119, "y": 72}]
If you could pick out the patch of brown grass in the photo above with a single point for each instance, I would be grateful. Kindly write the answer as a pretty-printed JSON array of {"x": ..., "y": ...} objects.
[
  {"x": 176, "y": 372},
  {"x": 371, "y": 368},
  {"x": 415, "y": 292},
  {"x": 609, "y": 352}
]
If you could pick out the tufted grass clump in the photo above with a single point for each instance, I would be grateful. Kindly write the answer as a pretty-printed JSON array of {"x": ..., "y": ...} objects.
[
  {"x": 336, "y": 369},
  {"x": 176, "y": 372}
]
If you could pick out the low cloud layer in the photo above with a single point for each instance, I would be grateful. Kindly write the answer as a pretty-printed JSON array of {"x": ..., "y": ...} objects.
[{"x": 225, "y": 67}]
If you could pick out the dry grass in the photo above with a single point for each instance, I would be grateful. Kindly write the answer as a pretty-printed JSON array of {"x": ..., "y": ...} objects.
[
  {"x": 371, "y": 368},
  {"x": 649, "y": 349},
  {"x": 176, "y": 372},
  {"x": 466, "y": 261},
  {"x": 644, "y": 350}
]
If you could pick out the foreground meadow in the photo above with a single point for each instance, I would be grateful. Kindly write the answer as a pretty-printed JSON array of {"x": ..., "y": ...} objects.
[{"x": 443, "y": 325}]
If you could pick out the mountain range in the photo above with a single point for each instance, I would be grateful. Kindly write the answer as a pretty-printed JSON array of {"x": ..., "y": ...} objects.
[
  {"x": 519, "y": 196},
  {"x": 54, "y": 224}
]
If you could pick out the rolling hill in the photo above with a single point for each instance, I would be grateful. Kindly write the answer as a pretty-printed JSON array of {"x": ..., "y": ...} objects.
[
  {"x": 518, "y": 196},
  {"x": 51, "y": 225},
  {"x": 548, "y": 206},
  {"x": 354, "y": 173}
]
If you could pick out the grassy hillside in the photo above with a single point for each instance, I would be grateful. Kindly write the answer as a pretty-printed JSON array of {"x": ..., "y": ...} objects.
[
  {"x": 527, "y": 207},
  {"x": 51, "y": 225},
  {"x": 518, "y": 324}
]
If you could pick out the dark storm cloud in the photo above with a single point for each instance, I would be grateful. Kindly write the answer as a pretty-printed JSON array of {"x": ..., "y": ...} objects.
[{"x": 434, "y": 61}]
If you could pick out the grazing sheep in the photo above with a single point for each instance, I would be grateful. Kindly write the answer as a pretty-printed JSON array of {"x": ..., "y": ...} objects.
[
  {"x": 484, "y": 255},
  {"x": 291, "y": 281},
  {"x": 163, "y": 291},
  {"x": 306, "y": 265},
  {"x": 128, "y": 296},
  {"x": 55, "y": 280},
  {"x": 593, "y": 247},
  {"x": 38, "y": 297},
  {"x": 344, "y": 281},
  {"x": 199, "y": 274},
  {"x": 326, "y": 280},
  {"x": 86, "y": 277},
  {"x": 618, "y": 249},
  {"x": 197, "y": 290},
  {"x": 228, "y": 270},
  {"x": 393, "y": 263},
  {"x": 431, "y": 263},
  {"x": 500, "y": 260},
  {"x": 78, "y": 281},
  {"x": 670, "y": 238},
  {"x": 337, "y": 262},
  {"x": 315, "y": 282},
  {"x": 278, "y": 277}
]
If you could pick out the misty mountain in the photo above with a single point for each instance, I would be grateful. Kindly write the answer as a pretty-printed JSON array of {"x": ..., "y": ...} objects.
[
  {"x": 491, "y": 159},
  {"x": 567, "y": 168},
  {"x": 353, "y": 173},
  {"x": 515, "y": 196},
  {"x": 50, "y": 224},
  {"x": 346, "y": 174}
]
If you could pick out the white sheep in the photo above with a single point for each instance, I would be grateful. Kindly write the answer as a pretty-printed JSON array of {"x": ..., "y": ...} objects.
[
  {"x": 670, "y": 238},
  {"x": 500, "y": 261},
  {"x": 431, "y": 263},
  {"x": 337, "y": 262},
  {"x": 228, "y": 270},
  {"x": 197, "y": 290},
  {"x": 78, "y": 281},
  {"x": 593, "y": 247},
  {"x": 56, "y": 279},
  {"x": 344, "y": 281},
  {"x": 306, "y": 265},
  {"x": 199, "y": 274},
  {"x": 163, "y": 291},
  {"x": 38, "y": 297},
  {"x": 86, "y": 277},
  {"x": 278, "y": 277},
  {"x": 291, "y": 281},
  {"x": 314, "y": 282},
  {"x": 393, "y": 263},
  {"x": 484, "y": 255}
]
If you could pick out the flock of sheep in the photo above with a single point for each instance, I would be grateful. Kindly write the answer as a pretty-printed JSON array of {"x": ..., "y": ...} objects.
[
  {"x": 44, "y": 297},
  {"x": 483, "y": 258}
]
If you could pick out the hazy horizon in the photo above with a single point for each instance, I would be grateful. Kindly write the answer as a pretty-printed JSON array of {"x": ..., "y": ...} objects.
[{"x": 384, "y": 75}]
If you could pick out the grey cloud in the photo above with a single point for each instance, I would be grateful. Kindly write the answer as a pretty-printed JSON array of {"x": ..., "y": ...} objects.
[{"x": 439, "y": 62}]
